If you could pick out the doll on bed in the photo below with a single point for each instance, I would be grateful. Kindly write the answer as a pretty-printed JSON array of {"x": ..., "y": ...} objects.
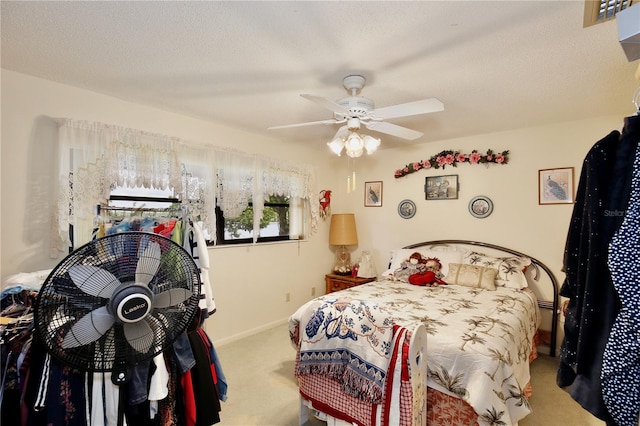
[
  {"x": 413, "y": 265},
  {"x": 421, "y": 271}
]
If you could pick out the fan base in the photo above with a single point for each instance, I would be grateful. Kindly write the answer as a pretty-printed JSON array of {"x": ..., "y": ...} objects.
[{"x": 353, "y": 82}]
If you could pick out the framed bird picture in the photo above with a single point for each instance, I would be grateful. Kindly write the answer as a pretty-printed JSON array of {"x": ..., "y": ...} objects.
[
  {"x": 373, "y": 194},
  {"x": 556, "y": 186}
]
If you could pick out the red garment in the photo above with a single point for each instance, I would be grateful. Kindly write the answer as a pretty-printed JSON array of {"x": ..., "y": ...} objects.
[
  {"x": 168, "y": 228},
  {"x": 188, "y": 399}
]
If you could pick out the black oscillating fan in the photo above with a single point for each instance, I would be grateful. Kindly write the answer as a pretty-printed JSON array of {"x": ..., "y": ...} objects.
[{"x": 117, "y": 301}]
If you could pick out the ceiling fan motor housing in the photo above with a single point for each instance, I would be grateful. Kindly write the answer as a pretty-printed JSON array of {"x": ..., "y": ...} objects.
[{"x": 359, "y": 106}]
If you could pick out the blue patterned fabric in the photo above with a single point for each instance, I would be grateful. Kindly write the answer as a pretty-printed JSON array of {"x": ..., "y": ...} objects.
[
  {"x": 349, "y": 341},
  {"x": 621, "y": 362}
]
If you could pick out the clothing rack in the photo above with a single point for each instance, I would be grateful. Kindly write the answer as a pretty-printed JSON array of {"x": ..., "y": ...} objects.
[{"x": 141, "y": 209}]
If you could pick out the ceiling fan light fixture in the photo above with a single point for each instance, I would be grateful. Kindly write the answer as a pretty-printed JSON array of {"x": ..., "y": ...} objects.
[
  {"x": 354, "y": 145},
  {"x": 336, "y": 146},
  {"x": 371, "y": 144}
]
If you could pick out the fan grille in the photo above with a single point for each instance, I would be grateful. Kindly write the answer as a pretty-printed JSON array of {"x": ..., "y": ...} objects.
[{"x": 61, "y": 303}]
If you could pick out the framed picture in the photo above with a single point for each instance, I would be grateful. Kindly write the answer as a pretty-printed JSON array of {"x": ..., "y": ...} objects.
[
  {"x": 555, "y": 186},
  {"x": 373, "y": 194},
  {"x": 441, "y": 187}
]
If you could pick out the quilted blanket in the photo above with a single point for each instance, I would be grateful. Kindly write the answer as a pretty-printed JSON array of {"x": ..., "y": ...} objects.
[
  {"x": 350, "y": 341},
  {"x": 478, "y": 341}
]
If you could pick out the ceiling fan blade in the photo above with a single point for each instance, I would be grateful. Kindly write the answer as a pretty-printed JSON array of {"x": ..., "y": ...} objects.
[
  {"x": 310, "y": 123},
  {"x": 93, "y": 280},
  {"x": 139, "y": 335},
  {"x": 148, "y": 264},
  {"x": 171, "y": 297},
  {"x": 393, "y": 130},
  {"x": 328, "y": 104},
  {"x": 410, "y": 108},
  {"x": 89, "y": 328}
]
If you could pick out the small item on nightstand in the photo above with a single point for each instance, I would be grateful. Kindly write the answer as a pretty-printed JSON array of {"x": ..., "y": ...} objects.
[
  {"x": 365, "y": 266},
  {"x": 354, "y": 270}
]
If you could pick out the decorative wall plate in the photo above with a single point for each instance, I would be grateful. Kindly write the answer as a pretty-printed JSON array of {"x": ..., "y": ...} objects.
[
  {"x": 406, "y": 209},
  {"x": 480, "y": 206}
]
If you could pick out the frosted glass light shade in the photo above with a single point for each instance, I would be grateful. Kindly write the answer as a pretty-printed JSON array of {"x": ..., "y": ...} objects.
[{"x": 336, "y": 146}]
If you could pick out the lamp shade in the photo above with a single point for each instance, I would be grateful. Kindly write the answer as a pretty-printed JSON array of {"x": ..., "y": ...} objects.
[{"x": 343, "y": 230}]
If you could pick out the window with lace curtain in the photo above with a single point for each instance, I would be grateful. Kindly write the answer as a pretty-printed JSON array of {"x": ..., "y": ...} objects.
[
  {"x": 279, "y": 222},
  {"x": 95, "y": 158}
]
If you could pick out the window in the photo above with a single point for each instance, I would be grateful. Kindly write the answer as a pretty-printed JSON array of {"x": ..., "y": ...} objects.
[
  {"x": 597, "y": 11},
  {"x": 94, "y": 156},
  {"x": 278, "y": 223}
]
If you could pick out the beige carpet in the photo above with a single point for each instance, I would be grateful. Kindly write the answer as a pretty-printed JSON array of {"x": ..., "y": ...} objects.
[{"x": 263, "y": 390}]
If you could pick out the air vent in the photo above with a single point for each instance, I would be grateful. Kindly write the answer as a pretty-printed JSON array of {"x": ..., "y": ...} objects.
[{"x": 599, "y": 11}]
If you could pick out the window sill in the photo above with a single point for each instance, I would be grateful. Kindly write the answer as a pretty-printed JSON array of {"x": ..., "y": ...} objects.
[{"x": 269, "y": 243}]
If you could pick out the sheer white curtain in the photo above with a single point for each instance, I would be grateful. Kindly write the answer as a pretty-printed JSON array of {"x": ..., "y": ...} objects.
[
  {"x": 294, "y": 181},
  {"x": 94, "y": 157}
]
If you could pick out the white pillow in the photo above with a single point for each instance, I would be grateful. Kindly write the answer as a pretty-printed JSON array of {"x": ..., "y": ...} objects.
[{"x": 400, "y": 255}]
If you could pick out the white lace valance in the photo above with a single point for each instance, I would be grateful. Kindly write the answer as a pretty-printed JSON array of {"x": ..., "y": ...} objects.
[{"x": 95, "y": 157}]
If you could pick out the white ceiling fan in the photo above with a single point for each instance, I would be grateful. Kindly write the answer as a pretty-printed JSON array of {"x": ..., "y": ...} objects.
[{"x": 354, "y": 111}]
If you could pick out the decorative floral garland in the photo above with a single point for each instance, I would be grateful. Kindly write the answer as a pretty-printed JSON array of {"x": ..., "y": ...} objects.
[{"x": 452, "y": 158}]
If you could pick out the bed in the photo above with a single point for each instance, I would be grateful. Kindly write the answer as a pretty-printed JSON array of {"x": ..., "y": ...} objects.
[{"x": 392, "y": 352}]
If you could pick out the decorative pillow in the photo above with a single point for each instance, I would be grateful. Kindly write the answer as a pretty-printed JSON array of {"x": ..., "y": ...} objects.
[
  {"x": 510, "y": 269},
  {"x": 401, "y": 255},
  {"x": 472, "y": 276}
]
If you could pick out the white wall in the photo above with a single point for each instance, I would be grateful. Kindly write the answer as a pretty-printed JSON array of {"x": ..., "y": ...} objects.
[
  {"x": 517, "y": 221},
  {"x": 250, "y": 282}
]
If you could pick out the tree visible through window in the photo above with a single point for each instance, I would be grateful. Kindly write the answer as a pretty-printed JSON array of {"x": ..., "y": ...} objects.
[{"x": 274, "y": 225}]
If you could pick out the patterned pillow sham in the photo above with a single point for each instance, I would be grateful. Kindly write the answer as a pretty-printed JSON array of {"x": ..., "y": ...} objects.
[
  {"x": 472, "y": 276},
  {"x": 511, "y": 269}
]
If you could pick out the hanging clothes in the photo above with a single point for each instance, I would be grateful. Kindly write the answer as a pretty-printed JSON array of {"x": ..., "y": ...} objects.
[
  {"x": 621, "y": 364},
  {"x": 602, "y": 197},
  {"x": 195, "y": 244}
]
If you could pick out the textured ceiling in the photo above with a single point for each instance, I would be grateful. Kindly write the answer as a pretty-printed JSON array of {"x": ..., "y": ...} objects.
[{"x": 495, "y": 65}]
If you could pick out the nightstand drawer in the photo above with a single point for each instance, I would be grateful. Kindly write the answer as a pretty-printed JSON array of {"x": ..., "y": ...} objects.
[{"x": 340, "y": 282}]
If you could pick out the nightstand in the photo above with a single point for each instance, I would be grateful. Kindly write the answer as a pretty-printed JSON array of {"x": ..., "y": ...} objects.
[{"x": 340, "y": 282}]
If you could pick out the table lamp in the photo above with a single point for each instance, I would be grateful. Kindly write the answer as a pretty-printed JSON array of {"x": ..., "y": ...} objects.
[{"x": 342, "y": 233}]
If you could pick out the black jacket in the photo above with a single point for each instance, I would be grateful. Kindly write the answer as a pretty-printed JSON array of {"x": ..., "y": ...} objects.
[{"x": 601, "y": 200}]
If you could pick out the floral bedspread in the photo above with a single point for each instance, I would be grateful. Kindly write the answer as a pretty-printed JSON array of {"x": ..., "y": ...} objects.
[{"x": 478, "y": 342}]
